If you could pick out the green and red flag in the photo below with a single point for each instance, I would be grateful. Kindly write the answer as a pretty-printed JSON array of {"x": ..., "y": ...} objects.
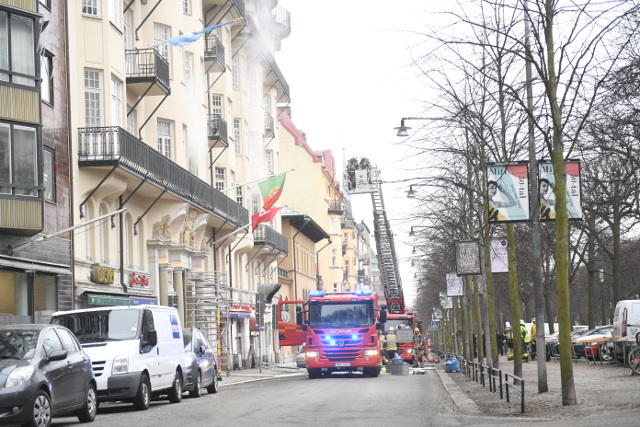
[{"x": 271, "y": 190}]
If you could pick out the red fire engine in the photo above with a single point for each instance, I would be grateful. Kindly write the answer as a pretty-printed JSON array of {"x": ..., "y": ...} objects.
[
  {"x": 404, "y": 325},
  {"x": 339, "y": 329}
]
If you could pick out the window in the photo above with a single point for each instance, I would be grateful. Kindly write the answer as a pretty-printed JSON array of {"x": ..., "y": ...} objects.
[
  {"x": 18, "y": 159},
  {"x": 91, "y": 7},
  {"x": 235, "y": 72},
  {"x": 188, "y": 70},
  {"x": 253, "y": 149},
  {"x": 46, "y": 73},
  {"x": 104, "y": 235},
  {"x": 268, "y": 160},
  {"x": 17, "y": 49},
  {"x": 116, "y": 102},
  {"x": 333, "y": 228},
  {"x": 162, "y": 33},
  {"x": 220, "y": 179},
  {"x": 51, "y": 342},
  {"x": 216, "y": 105},
  {"x": 334, "y": 257},
  {"x": 128, "y": 29},
  {"x": 255, "y": 203},
  {"x": 237, "y": 136},
  {"x": 239, "y": 196},
  {"x": 252, "y": 87},
  {"x": 186, "y": 7},
  {"x": 165, "y": 138},
  {"x": 131, "y": 121},
  {"x": 69, "y": 343},
  {"x": 16, "y": 291},
  {"x": 114, "y": 12},
  {"x": 48, "y": 175},
  {"x": 93, "y": 98}
]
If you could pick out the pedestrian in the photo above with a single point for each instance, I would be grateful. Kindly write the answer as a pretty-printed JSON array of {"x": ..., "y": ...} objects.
[
  {"x": 499, "y": 340},
  {"x": 526, "y": 339},
  {"x": 418, "y": 349},
  {"x": 391, "y": 344}
]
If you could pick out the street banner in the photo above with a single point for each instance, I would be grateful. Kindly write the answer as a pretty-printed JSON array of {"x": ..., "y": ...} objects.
[
  {"x": 508, "y": 192},
  {"x": 547, "y": 185},
  {"x": 467, "y": 257},
  {"x": 499, "y": 256},
  {"x": 454, "y": 285}
]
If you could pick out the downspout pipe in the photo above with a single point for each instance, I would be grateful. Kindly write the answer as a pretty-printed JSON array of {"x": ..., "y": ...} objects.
[
  {"x": 318, "y": 259},
  {"x": 307, "y": 219}
]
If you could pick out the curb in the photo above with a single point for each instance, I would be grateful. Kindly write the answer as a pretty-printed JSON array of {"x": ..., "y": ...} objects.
[{"x": 462, "y": 401}]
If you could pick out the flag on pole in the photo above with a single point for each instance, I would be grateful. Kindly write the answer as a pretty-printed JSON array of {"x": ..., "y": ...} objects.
[
  {"x": 185, "y": 39},
  {"x": 265, "y": 215},
  {"x": 271, "y": 190}
]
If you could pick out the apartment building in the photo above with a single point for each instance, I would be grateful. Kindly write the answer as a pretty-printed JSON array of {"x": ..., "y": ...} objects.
[
  {"x": 172, "y": 130},
  {"x": 35, "y": 197}
]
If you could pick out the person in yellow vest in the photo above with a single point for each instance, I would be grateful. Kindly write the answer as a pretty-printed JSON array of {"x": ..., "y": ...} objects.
[
  {"x": 533, "y": 340},
  {"x": 391, "y": 344},
  {"x": 508, "y": 340},
  {"x": 526, "y": 340}
]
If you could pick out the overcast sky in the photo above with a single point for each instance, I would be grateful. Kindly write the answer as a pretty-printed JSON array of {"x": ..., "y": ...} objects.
[{"x": 348, "y": 64}]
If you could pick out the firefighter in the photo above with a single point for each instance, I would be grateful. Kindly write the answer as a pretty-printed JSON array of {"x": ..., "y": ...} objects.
[
  {"x": 526, "y": 339},
  {"x": 533, "y": 340},
  {"x": 418, "y": 349},
  {"x": 508, "y": 339},
  {"x": 391, "y": 344}
]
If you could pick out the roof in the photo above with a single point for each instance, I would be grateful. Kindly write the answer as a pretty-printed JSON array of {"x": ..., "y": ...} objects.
[{"x": 305, "y": 224}]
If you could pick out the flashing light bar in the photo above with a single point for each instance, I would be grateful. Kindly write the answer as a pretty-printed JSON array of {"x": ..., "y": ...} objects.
[{"x": 317, "y": 294}]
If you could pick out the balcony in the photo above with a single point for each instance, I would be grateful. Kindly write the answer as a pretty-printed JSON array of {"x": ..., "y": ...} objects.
[
  {"x": 218, "y": 4},
  {"x": 217, "y": 130},
  {"x": 347, "y": 223},
  {"x": 214, "y": 53},
  {"x": 147, "y": 72},
  {"x": 282, "y": 273},
  {"x": 335, "y": 207},
  {"x": 267, "y": 236},
  {"x": 269, "y": 127},
  {"x": 115, "y": 147}
]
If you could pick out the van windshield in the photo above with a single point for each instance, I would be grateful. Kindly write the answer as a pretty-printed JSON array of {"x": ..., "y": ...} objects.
[{"x": 102, "y": 325}]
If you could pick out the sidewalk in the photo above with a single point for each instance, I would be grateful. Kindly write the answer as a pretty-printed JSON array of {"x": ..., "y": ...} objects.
[
  {"x": 600, "y": 388},
  {"x": 259, "y": 374}
]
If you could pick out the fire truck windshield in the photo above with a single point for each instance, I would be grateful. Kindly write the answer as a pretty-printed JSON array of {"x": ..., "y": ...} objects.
[
  {"x": 354, "y": 314},
  {"x": 394, "y": 323}
]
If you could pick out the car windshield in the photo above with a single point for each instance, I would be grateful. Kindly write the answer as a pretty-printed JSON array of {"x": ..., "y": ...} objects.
[
  {"x": 18, "y": 344},
  {"x": 101, "y": 325},
  {"x": 355, "y": 314}
]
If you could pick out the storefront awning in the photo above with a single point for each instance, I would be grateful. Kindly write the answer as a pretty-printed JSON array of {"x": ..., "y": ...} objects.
[
  {"x": 106, "y": 299},
  {"x": 239, "y": 313},
  {"x": 38, "y": 267},
  {"x": 138, "y": 300}
]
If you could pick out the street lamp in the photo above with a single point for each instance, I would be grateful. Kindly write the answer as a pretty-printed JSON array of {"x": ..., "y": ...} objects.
[
  {"x": 412, "y": 231},
  {"x": 404, "y": 130}
]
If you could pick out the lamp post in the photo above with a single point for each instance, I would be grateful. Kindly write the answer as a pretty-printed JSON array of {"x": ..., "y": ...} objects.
[
  {"x": 404, "y": 130},
  {"x": 412, "y": 232}
]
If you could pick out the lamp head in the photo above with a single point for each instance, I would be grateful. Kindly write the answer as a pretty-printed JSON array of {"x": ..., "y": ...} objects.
[{"x": 403, "y": 131}]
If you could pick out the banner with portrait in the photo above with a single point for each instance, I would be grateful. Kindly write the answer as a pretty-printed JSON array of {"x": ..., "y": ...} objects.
[
  {"x": 546, "y": 189},
  {"x": 508, "y": 192}
]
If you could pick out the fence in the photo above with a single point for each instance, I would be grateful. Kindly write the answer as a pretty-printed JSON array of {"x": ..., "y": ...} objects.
[{"x": 483, "y": 374}]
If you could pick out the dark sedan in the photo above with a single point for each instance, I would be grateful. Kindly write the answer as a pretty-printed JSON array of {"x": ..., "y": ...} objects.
[
  {"x": 201, "y": 366},
  {"x": 44, "y": 373}
]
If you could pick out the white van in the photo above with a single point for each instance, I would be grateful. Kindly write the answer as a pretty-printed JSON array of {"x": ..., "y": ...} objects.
[
  {"x": 137, "y": 351},
  {"x": 626, "y": 319}
]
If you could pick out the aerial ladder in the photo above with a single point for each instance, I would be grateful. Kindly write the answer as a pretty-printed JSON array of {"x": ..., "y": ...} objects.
[{"x": 361, "y": 178}]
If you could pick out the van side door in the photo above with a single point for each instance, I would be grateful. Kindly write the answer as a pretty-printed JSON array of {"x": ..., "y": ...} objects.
[{"x": 149, "y": 354}]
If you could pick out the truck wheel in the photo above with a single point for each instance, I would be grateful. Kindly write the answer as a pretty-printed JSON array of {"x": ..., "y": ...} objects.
[
  {"x": 372, "y": 372},
  {"x": 143, "y": 397},
  {"x": 314, "y": 373},
  {"x": 175, "y": 393}
]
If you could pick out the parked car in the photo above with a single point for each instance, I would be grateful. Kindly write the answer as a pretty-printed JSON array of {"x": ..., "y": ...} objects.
[
  {"x": 553, "y": 348},
  {"x": 600, "y": 333},
  {"x": 301, "y": 362},
  {"x": 599, "y": 350},
  {"x": 201, "y": 365},
  {"x": 44, "y": 373}
]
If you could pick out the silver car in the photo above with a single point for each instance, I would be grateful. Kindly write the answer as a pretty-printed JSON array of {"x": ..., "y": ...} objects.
[
  {"x": 300, "y": 360},
  {"x": 201, "y": 366}
]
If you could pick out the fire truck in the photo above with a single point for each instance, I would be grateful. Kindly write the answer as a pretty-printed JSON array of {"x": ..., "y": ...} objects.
[
  {"x": 339, "y": 330},
  {"x": 404, "y": 325}
]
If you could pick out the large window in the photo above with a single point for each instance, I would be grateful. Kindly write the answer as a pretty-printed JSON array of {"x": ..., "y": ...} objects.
[
  {"x": 91, "y": 7},
  {"x": 162, "y": 33},
  {"x": 268, "y": 160},
  {"x": 26, "y": 298},
  {"x": 114, "y": 12},
  {"x": 18, "y": 160},
  {"x": 237, "y": 136},
  {"x": 188, "y": 71},
  {"x": 17, "y": 49},
  {"x": 116, "y": 102},
  {"x": 235, "y": 72},
  {"x": 165, "y": 138}
]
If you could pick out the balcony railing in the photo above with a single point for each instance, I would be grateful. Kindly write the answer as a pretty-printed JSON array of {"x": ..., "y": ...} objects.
[
  {"x": 347, "y": 223},
  {"x": 267, "y": 236},
  {"x": 214, "y": 52},
  {"x": 269, "y": 127},
  {"x": 113, "y": 146},
  {"x": 147, "y": 66},
  {"x": 336, "y": 207},
  {"x": 217, "y": 129},
  {"x": 283, "y": 273}
]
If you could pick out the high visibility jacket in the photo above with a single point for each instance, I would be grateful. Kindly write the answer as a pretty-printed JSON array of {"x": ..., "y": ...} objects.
[
  {"x": 390, "y": 341},
  {"x": 525, "y": 334},
  {"x": 533, "y": 332}
]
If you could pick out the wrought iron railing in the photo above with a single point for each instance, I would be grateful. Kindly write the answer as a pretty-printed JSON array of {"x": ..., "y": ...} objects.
[
  {"x": 113, "y": 145},
  {"x": 147, "y": 64},
  {"x": 214, "y": 50},
  {"x": 217, "y": 129},
  {"x": 265, "y": 235}
]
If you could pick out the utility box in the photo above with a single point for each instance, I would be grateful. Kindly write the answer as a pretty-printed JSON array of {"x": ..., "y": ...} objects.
[
  {"x": 404, "y": 335},
  {"x": 399, "y": 369}
]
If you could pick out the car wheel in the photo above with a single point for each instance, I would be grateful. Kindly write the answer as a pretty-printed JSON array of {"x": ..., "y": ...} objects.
[
  {"x": 197, "y": 391},
  {"x": 143, "y": 398},
  {"x": 41, "y": 411},
  {"x": 606, "y": 353},
  {"x": 88, "y": 412},
  {"x": 175, "y": 394},
  {"x": 213, "y": 388}
]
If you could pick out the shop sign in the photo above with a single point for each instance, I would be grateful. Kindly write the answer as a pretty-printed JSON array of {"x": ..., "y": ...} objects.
[
  {"x": 104, "y": 275},
  {"x": 138, "y": 280}
]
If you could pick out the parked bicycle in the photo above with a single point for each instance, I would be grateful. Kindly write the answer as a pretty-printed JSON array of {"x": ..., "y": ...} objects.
[{"x": 634, "y": 357}]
